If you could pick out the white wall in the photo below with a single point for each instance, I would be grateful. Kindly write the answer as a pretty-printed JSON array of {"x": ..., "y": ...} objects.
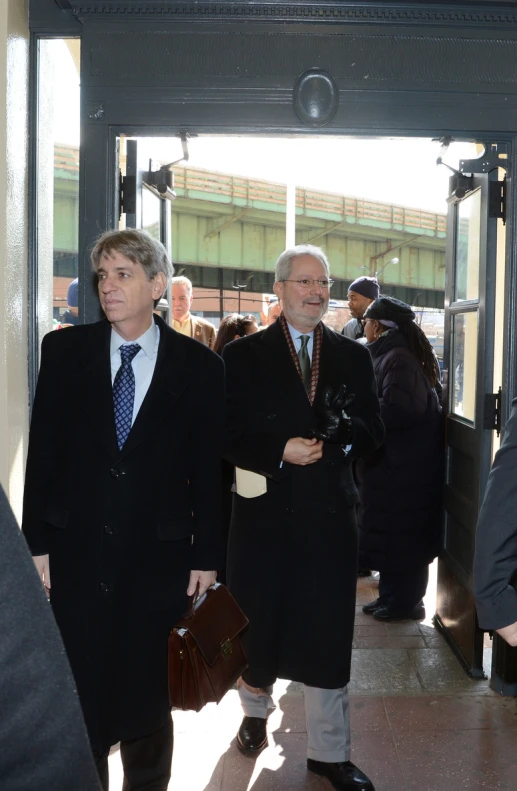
[{"x": 14, "y": 72}]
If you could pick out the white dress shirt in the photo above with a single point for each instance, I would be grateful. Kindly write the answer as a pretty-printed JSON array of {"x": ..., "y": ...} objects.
[
  {"x": 296, "y": 335},
  {"x": 143, "y": 363}
]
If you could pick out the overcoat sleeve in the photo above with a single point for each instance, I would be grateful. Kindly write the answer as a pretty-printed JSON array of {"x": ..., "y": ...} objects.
[
  {"x": 495, "y": 563},
  {"x": 205, "y": 466},
  {"x": 41, "y": 462},
  {"x": 42, "y": 732},
  {"x": 368, "y": 429}
]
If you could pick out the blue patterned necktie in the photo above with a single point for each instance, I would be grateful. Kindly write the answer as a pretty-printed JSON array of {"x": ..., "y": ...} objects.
[{"x": 124, "y": 392}]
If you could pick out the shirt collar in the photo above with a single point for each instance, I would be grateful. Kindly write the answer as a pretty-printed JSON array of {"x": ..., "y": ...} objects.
[
  {"x": 148, "y": 341},
  {"x": 295, "y": 334}
]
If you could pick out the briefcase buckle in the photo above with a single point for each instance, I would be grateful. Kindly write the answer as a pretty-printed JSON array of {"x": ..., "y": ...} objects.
[{"x": 226, "y": 648}]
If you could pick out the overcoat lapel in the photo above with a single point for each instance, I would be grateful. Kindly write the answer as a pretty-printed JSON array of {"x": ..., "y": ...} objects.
[
  {"x": 95, "y": 382},
  {"x": 283, "y": 368}
]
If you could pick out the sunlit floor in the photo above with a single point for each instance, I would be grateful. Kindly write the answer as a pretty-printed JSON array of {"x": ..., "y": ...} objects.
[{"x": 418, "y": 723}]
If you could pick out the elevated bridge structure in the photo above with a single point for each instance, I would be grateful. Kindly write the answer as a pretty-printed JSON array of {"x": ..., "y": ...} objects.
[
  {"x": 237, "y": 225},
  {"x": 229, "y": 230}
]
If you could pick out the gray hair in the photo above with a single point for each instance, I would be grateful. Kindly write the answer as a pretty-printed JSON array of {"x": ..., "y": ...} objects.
[
  {"x": 182, "y": 281},
  {"x": 137, "y": 246},
  {"x": 285, "y": 261}
]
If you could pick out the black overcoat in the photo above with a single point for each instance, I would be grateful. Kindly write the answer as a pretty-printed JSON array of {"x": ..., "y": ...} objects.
[
  {"x": 292, "y": 553},
  {"x": 123, "y": 528},
  {"x": 42, "y": 735},
  {"x": 401, "y": 484}
]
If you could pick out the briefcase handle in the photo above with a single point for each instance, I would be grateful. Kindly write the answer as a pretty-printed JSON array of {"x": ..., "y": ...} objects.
[{"x": 195, "y": 596}]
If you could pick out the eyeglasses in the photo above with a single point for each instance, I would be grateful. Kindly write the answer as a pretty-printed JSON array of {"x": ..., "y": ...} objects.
[
  {"x": 309, "y": 282},
  {"x": 363, "y": 321}
]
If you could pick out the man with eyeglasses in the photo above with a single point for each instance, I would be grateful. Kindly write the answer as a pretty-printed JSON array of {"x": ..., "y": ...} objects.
[
  {"x": 302, "y": 405},
  {"x": 361, "y": 293}
]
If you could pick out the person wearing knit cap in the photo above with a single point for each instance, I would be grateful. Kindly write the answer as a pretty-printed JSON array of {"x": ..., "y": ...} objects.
[
  {"x": 400, "y": 487},
  {"x": 71, "y": 314},
  {"x": 361, "y": 294}
]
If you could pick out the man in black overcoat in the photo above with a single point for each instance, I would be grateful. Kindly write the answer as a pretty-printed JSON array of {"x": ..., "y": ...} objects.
[
  {"x": 495, "y": 562},
  {"x": 292, "y": 554},
  {"x": 42, "y": 735},
  {"x": 122, "y": 499}
]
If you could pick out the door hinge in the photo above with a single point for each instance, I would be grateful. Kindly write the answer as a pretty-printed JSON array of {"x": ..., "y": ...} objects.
[
  {"x": 127, "y": 194},
  {"x": 497, "y": 200},
  {"x": 492, "y": 412}
]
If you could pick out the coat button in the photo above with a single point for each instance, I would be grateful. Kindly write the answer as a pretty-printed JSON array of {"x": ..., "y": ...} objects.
[
  {"x": 104, "y": 587},
  {"x": 332, "y": 510},
  {"x": 272, "y": 416},
  {"x": 290, "y": 510},
  {"x": 114, "y": 472},
  {"x": 109, "y": 530}
]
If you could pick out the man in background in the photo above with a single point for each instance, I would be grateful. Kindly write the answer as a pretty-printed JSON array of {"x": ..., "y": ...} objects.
[
  {"x": 71, "y": 314},
  {"x": 495, "y": 562},
  {"x": 292, "y": 551},
  {"x": 361, "y": 293},
  {"x": 183, "y": 321}
]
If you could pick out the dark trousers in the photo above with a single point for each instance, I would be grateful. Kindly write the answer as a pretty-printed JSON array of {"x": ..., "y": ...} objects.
[
  {"x": 146, "y": 761},
  {"x": 403, "y": 591}
]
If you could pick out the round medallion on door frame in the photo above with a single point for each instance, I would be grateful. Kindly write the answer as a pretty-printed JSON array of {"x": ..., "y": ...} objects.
[{"x": 315, "y": 97}]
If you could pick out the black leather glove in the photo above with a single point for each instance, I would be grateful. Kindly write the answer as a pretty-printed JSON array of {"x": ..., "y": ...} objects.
[{"x": 332, "y": 424}]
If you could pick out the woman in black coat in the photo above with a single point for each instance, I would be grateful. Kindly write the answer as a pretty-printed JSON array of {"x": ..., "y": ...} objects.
[{"x": 400, "y": 486}]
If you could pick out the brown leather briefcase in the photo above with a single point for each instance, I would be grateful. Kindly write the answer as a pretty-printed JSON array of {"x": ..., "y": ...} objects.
[{"x": 206, "y": 656}]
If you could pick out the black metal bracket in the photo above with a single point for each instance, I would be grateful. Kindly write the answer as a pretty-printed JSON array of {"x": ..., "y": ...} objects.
[
  {"x": 497, "y": 200},
  {"x": 492, "y": 412},
  {"x": 127, "y": 187},
  {"x": 494, "y": 156}
]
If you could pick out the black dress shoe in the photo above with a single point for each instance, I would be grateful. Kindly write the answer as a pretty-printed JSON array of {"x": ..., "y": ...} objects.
[
  {"x": 364, "y": 572},
  {"x": 343, "y": 776},
  {"x": 372, "y": 606},
  {"x": 252, "y": 735},
  {"x": 389, "y": 613}
]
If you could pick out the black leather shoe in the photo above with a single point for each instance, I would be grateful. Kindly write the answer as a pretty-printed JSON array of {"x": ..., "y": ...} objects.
[
  {"x": 252, "y": 735},
  {"x": 364, "y": 572},
  {"x": 343, "y": 776},
  {"x": 372, "y": 606},
  {"x": 388, "y": 613}
]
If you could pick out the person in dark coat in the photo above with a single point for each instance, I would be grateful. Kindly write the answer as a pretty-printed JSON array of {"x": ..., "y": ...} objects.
[
  {"x": 495, "y": 560},
  {"x": 292, "y": 553},
  {"x": 42, "y": 732},
  {"x": 400, "y": 485},
  {"x": 122, "y": 499}
]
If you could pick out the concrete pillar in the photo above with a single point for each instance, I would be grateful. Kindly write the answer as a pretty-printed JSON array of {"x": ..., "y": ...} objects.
[{"x": 14, "y": 411}]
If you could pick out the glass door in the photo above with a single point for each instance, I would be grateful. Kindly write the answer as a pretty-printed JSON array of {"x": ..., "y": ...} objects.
[{"x": 468, "y": 379}]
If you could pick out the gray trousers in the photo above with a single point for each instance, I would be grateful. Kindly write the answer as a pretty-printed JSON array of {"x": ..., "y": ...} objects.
[{"x": 327, "y": 714}]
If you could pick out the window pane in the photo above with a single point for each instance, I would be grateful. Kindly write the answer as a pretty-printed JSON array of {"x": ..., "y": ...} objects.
[
  {"x": 467, "y": 248},
  {"x": 464, "y": 364},
  {"x": 151, "y": 208},
  {"x": 58, "y": 184}
]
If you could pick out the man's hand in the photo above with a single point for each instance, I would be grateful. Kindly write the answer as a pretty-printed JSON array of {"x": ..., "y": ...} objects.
[
  {"x": 43, "y": 568},
  {"x": 205, "y": 578},
  {"x": 302, "y": 451},
  {"x": 509, "y": 633}
]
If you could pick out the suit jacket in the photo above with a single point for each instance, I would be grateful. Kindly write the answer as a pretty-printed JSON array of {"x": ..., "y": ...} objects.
[
  {"x": 292, "y": 553},
  {"x": 41, "y": 725},
  {"x": 123, "y": 528},
  {"x": 203, "y": 331},
  {"x": 495, "y": 563}
]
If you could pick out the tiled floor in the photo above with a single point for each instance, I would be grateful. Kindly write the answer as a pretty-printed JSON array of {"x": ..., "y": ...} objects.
[{"x": 418, "y": 724}]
